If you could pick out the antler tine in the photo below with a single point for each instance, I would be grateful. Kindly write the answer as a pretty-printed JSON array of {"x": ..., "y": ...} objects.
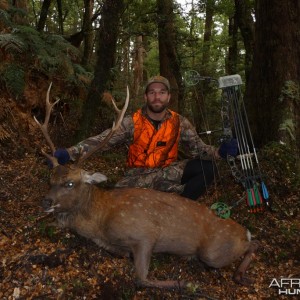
[
  {"x": 44, "y": 126},
  {"x": 115, "y": 126},
  {"x": 115, "y": 106}
]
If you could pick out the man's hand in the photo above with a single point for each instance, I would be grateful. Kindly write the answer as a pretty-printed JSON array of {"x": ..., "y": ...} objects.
[{"x": 229, "y": 148}]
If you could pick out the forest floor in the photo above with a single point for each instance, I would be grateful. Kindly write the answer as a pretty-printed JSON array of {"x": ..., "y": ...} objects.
[{"x": 43, "y": 262}]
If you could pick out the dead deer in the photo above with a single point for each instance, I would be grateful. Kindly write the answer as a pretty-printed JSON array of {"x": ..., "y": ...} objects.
[{"x": 141, "y": 221}]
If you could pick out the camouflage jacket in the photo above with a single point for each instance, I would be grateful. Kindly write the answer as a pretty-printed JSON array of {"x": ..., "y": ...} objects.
[{"x": 165, "y": 179}]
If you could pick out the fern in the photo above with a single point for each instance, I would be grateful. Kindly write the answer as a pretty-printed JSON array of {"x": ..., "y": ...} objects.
[
  {"x": 10, "y": 43},
  {"x": 5, "y": 18},
  {"x": 14, "y": 78},
  {"x": 32, "y": 51},
  {"x": 58, "y": 44},
  {"x": 288, "y": 126},
  {"x": 31, "y": 38},
  {"x": 51, "y": 53},
  {"x": 47, "y": 64},
  {"x": 80, "y": 70}
]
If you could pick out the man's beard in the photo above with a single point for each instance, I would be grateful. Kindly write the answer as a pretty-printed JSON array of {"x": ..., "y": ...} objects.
[{"x": 156, "y": 109}]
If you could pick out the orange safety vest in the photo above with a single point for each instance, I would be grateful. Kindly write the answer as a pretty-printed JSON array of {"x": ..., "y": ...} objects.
[{"x": 154, "y": 148}]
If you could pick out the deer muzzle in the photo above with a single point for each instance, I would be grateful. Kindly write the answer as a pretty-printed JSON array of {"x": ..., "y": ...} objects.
[{"x": 47, "y": 205}]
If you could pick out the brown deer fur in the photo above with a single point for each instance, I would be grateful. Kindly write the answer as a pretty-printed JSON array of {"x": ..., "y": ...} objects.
[{"x": 144, "y": 221}]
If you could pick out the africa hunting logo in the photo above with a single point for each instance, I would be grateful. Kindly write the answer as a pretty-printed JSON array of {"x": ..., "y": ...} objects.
[{"x": 286, "y": 286}]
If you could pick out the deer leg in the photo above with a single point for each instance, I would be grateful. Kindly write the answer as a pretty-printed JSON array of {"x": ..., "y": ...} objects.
[
  {"x": 141, "y": 258},
  {"x": 142, "y": 255},
  {"x": 239, "y": 275}
]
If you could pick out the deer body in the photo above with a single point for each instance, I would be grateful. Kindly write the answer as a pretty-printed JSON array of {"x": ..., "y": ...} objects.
[{"x": 143, "y": 221}]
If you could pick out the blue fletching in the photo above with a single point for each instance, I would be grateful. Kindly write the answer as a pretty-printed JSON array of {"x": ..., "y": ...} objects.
[{"x": 265, "y": 191}]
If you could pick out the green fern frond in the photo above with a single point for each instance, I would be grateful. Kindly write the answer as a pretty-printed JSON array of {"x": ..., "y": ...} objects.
[
  {"x": 11, "y": 44},
  {"x": 48, "y": 54},
  {"x": 31, "y": 38},
  {"x": 47, "y": 64},
  {"x": 14, "y": 78},
  {"x": 288, "y": 126},
  {"x": 18, "y": 12},
  {"x": 80, "y": 70},
  {"x": 52, "y": 53},
  {"x": 5, "y": 18},
  {"x": 58, "y": 43}
]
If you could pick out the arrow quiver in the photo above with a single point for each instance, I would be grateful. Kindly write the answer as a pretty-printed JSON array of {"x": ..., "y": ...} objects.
[{"x": 233, "y": 112}]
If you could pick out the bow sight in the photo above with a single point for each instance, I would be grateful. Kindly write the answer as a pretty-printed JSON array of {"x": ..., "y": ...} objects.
[{"x": 233, "y": 111}]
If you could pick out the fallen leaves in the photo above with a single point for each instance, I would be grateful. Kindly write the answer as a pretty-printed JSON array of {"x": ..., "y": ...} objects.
[{"x": 42, "y": 262}]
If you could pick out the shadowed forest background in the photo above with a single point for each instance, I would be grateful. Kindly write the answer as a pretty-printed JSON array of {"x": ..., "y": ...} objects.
[{"x": 92, "y": 49}]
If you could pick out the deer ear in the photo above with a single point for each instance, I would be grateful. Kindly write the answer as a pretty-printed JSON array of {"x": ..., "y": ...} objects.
[{"x": 93, "y": 178}]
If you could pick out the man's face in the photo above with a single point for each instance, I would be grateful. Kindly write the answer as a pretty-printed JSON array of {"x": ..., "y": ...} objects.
[{"x": 157, "y": 97}]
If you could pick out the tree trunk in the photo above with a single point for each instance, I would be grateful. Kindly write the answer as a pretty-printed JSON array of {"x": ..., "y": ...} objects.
[
  {"x": 103, "y": 76},
  {"x": 231, "y": 62},
  {"x": 169, "y": 64},
  {"x": 203, "y": 89},
  {"x": 60, "y": 17},
  {"x": 246, "y": 25},
  {"x": 43, "y": 16},
  {"x": 209, "y": 13},
  {"x": 138, "y": 65},
  {"x": 87, "y": 28},
  {"x": 77, "y": 38},
  {"x": 272, "y": 95}
]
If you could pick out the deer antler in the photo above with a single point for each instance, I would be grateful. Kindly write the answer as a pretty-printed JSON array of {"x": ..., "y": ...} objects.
[
  {"x": 115, "y": 126},
  {"x": 44, "y": 128}
]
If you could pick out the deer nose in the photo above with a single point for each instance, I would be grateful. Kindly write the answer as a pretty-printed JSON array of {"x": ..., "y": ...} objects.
[{"x": 47, "y": 203}]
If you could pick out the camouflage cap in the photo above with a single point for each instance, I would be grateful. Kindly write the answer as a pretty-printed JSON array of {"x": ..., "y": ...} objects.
[{"x": 158, "y": 79}]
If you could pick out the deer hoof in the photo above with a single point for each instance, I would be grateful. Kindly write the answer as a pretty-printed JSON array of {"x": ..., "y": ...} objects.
[{"x": 243, "y": 280}]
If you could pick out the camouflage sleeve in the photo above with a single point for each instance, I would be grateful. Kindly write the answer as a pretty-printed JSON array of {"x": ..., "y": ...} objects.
[
  {"x": 192, "y": 144},
  {"x": 123, "y": 135}
]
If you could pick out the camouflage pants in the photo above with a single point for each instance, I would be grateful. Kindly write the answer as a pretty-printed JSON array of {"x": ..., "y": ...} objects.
[{"x": 167, "y": 179}]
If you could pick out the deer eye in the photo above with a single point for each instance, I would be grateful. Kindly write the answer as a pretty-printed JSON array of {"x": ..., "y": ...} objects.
[{"x": 69, "y": 184}]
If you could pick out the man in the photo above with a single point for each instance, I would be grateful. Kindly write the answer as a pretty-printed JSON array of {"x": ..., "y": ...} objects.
[{"x": 154, "y": 134}]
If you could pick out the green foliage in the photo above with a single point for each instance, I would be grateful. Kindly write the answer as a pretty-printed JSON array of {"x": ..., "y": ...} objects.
[
  {"x": 226, "y": 7},
  {"x": 30, "y": 37},
  {"x": 9, "y": 43},
  {"x": 14, "y": 77},
  {"x": 290, "y": 90},
  {"x": 49, "y": 53},
  {"x": 35, "y": 52},
  {"x": 12, "y": 74},
  {"x": 17, "y": 12},
  {"x": 290, "y": 95},
  {"x": 80, "y": 70},
  {"x": 47, "y": 231},
  {"x": 5, "y": 18},
  {"x": 288, "y": 126},
  {"x": 282, "y": 163}
]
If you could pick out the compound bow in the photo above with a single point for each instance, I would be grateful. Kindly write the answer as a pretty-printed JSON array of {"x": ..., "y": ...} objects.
[{"x": 233, "y": 110}]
